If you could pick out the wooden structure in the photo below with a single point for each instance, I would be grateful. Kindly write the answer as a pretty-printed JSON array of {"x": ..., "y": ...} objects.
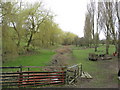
[
  {"x": 73, "y": 72},
  {"x": 85, "y": 75},
  {"x": 29, "y": 78},
  {"x": 93, "y": 57}
]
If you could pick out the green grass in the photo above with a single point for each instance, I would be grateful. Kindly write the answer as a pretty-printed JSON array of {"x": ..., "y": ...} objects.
[
  {"x": 95, "y": 68},
  {"x": 40, "y": 59},
  {"x": 103, "y": 48},
  {"x": 82, "y": 56}
]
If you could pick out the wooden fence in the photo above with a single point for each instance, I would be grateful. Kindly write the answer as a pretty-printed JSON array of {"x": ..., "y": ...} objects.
[
  {"x": 37, "y": 78},
  {"x": 72, "y": 73},
  {"x": 31, "y": 78}
]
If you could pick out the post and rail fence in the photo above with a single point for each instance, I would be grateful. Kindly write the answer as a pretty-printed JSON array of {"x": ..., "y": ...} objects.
[{"x": 29, "y": 78}]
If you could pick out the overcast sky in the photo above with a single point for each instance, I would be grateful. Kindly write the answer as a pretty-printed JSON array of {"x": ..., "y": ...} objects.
[{"x": 70, "y": 14}]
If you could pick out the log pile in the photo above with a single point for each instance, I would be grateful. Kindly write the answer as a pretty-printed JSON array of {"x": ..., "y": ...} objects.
[{"x": 95, "y": 57}]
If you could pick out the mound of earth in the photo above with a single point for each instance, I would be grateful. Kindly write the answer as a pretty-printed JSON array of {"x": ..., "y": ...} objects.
[
  {"x": 64, "y": 50},
  {"x": 61, "y": 58}
]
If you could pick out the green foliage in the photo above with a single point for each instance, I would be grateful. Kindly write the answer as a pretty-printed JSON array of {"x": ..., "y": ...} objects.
[
  {"x": 9, "y": 47},
  {"x": 25, "y": 29},
  {"x": 68, "y": 38},
  {"x": 88, "y": 30}
]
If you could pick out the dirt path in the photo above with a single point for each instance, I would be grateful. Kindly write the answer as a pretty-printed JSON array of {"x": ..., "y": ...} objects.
[{"x": 105, "y": 76}]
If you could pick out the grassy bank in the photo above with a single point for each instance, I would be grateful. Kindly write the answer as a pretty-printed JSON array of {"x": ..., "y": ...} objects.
[{"x": 41, "y": 59}]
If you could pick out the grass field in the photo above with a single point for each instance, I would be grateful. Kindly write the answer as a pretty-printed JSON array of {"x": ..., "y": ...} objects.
[
  {"x": 104, "y": 73},
  {"x": 82, "y": 55},
  {"x": 41, "y": 59}
]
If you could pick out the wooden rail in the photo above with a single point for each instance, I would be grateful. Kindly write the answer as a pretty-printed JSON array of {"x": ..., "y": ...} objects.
[
  {"x": 73, "y": 72},
  {"x": 28, "y": 78},
  {"x": 31, "y": 78},
  {"x": 24, "y": 79}
]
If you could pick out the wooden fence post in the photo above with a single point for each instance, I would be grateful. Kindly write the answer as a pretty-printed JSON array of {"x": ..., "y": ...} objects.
[
  {"x": 28, "y": 73},
  {"x": 28, "y": 69},
  {"x": 81, "y": 74},
  {"x": 66, "y": 78},
  {"x": 81, "y": 70},
  {"x": 78, "y": 70},
  {"x": 75, "y": 75},
  {"x": 20, "y": 75}
]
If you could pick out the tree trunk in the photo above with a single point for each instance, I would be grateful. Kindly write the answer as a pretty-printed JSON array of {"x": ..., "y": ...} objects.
[
  {"x": 42, "y": 43},
  {"x": 107, "y": 49},
  {"x": 96, "y": 44},
  {"x": 53, "y": 44},
  {"x": 107, "y": 43},
  {"x": 30, "y": 39},
  {"x": 95, "y": 48},
  {"x": 19, "y": 39},
  {"x": 116, "y": 47},
  {"x": 15, "y": 28},
  {"x": 76, "y": 44}
]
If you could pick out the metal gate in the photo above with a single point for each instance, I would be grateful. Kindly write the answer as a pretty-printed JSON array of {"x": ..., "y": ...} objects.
[
  {"x": 32, "y": 78},
  {"x": 38, "y": 78}
]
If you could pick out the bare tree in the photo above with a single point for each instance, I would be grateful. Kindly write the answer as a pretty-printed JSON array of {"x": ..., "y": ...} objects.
[
  {"x": 94, "y": 17},
  {"x": 106, "y": 21}
]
